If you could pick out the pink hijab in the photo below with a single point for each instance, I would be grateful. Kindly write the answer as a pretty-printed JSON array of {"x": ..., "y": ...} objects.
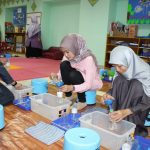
[
  {"x": 34, "y": 27},
  {"x": 77, "y": 45}
]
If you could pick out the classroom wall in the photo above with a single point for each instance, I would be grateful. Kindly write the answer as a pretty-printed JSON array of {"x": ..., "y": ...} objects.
[
  {"x": 112, "y": 12},
  {"x": 60, "y": 19},
  {"x": 93, "y": 26},
  {"x": 121, "y": 16}
]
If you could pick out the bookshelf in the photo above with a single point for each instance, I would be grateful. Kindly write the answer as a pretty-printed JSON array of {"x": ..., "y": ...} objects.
[
  {"x": 141, "y": 46},
  {"x": 17, "y": 40},
  {"x": 15, "y": 36}
]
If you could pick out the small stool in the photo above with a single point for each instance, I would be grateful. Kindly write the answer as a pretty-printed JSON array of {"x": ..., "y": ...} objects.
[
  {"x": 81, "y": 139},
  {"x": 90, "y": 97},
  {"x": 39, "y": 85},
  {"x": 2, "y": 124}
]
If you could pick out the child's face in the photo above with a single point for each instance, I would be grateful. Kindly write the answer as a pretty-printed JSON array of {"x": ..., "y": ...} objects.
[
  {"x": 69, "y": 55},
  {"x": 120, "y": 68}
]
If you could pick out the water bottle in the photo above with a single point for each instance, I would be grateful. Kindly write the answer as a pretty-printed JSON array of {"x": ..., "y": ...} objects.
[
  {"x": 126, "y": 146},
  {"x": 112, "y": 125},
  {"x": 131, "y": 144},
  {"x": 74, "y": 113},
  {"x": 59, "y": 93}
]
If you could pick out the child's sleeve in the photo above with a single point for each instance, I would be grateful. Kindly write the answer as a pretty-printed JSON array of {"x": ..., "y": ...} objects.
[{"x": 90, "y": 77}]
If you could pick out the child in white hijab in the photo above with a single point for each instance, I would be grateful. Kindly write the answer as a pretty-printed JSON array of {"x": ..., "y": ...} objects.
[{"x": 130, "y": 89}]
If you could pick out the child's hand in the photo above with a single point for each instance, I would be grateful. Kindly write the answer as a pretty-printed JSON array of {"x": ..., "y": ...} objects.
[
  {"x": 53, "y": 76},
  {"x": 67, "y": 88}
]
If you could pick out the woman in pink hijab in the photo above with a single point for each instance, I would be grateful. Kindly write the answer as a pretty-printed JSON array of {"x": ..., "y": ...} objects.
[
  {"x": 33, "y": 39},
  {"x": 79, "y": 69}
]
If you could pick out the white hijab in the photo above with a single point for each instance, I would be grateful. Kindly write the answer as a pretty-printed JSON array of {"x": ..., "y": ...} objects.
[{"x": 137, "y": 68}]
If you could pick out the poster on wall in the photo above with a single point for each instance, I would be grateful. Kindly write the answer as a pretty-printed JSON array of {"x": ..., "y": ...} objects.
[
  {"x": 19, "y": 16},
  {"x": 138, "y": 12}
]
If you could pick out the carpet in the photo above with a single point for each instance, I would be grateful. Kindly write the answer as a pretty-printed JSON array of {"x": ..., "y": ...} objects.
[{"x": 29, "y": 68}]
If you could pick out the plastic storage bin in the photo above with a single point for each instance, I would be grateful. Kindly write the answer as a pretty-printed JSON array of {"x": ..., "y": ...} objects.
[
  {"x": 22, "y": 99},
  {"x": 49, "y": 106},
  {"x": 19, "y": 94},
  {"x": 25, "y": 91},
  {"x": 100, "y": 122}
]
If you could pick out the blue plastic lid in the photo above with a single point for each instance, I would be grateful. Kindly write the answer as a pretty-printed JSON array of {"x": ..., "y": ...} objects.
[
  {"x": 108, "y": 102},
  {"x": 83, "y": 136}
]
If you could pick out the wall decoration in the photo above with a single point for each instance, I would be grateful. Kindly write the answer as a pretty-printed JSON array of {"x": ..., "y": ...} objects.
[
  {"x": 19, "y": 16},
  {"x": 138, "y": 12},
  {"x": 93, "y": 2},
  {"x": 33, "y": 6}
]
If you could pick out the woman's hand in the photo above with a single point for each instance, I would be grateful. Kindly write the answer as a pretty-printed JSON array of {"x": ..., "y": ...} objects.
[
  {"x": 53, "y": 76},
  {"x": 106, "y": 97},
  {"x": 117, "y": 116},
  {"x": 67, "y": 88}
]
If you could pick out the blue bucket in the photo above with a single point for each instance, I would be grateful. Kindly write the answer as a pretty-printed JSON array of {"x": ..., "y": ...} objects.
[
  {"x": 90, "y": 97},
  {"x": 39, "y": 85},
  {"x": 81, "y": 139},
  {"x": 2, "y": 124}
]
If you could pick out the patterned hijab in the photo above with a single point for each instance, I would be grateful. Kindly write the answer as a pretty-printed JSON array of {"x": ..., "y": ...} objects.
[
  {"x": 34, "y": 27},
  {"x": 137, "y": 68},
  {"x": 77, "y": 45}
]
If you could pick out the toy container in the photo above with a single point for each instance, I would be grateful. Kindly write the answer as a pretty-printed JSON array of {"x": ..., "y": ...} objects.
[
  {"x": 110, "y": 139},
  {"x": 48, "y": 106}
]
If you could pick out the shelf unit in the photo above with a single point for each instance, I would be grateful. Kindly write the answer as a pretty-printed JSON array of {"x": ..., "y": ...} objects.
[
  {"x": 138, "y": 45},
  {"x": 15, "y": 37},
  {"x": 17, "y": 40}
]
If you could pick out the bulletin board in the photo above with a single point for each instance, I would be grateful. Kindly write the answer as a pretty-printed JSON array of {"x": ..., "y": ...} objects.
[
  {"x": 138, "y": 12},
  {"x": 19, "y": 16},
  {"x": 38, "y": 14}
]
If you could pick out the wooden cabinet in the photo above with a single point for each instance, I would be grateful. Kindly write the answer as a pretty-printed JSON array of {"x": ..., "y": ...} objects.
[
  {"x": 141, "y": 46},
  {"x": 17, "y": 40}
]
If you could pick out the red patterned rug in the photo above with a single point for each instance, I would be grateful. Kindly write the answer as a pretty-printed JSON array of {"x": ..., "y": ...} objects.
[{"x": 30, "y": 68}]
